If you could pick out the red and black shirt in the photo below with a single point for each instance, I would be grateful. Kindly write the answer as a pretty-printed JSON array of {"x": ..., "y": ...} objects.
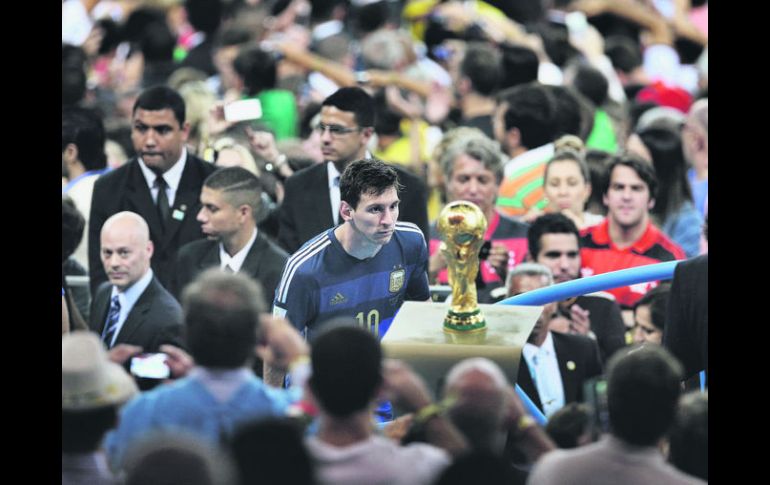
[{"x": 600, "y": 255}]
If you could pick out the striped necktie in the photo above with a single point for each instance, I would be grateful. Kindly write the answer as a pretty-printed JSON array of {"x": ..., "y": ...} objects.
[{"x": 111, "y": 326}]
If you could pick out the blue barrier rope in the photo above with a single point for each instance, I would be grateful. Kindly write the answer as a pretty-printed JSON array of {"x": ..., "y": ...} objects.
[
  {"x": 581, "y": 286},
  {"x": 605, "y": 281}
]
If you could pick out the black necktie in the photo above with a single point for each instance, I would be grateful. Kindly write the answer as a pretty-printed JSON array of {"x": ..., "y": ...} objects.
[{"x": 163, "y": 208}]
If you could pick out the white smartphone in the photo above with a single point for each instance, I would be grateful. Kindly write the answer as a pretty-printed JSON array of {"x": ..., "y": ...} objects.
[
  {"x": 242, "y": 110},
  {"x": 150, "y": 366}
]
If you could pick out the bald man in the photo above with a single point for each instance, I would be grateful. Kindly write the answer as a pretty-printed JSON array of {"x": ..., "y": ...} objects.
[
  {"x": 132, "y": 307},
  {"x": 480, "y": 410},
  {"x": 490, "y": 415}
]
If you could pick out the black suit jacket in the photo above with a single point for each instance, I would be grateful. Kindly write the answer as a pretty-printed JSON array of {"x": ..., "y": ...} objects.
[
  {"x": 606, "y": 322},
  {"x": 686, "y": 333},
  {"x": 155, "y": 319},
  {"x": 125, "y": 189},
  {"x": 264, "y": 262},
  {"x": 306, "y": 210},
  {"x": 581, "y": 351}
]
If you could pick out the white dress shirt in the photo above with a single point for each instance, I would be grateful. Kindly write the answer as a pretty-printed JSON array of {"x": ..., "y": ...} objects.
[
  {"x": 236, "y": 260},
  {"x": 172, "y": 177},
  {"x": 334, "y": 190},
  {"x": 544, "y": 368}
]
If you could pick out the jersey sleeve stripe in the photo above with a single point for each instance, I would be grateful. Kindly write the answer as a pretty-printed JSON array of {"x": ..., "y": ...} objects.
[
  {"x": 294, "y": 258},
  {"x": 295, "y": 261},
  {"x": 409, "y": 227}
]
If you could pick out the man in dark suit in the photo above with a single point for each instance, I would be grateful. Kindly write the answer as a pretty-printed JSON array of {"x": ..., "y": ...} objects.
[
  {"x": 132, "y": 307},
  {"x": 553, "y": 366},
  {"x": 162, "y": 184},
  {"x": 312, "y": 201},
  {"x": 231, "y": 204},
  {"x": 554, "y": 241},
  {"x": 686, "y": 333}
]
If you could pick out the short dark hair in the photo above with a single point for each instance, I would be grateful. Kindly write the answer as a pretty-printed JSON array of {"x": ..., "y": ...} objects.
[
  {"x": 388, "y": 121},
  {"x": 271, "y": 451},
  {"x": 482, "y": 64},
  {"x": 257, "y": 68},
  {"x": 355, "y": 100},
  {"x": 567, "y": 424},
  {"x": 623, "y": 52},
  {"x": 478, "y": 466},
  {"x": 689, "y": 436},
  {"x": 239, "y": 186},
  {"x": 157, "y": 43},
  {"x": 592, "y": 84},
  {"x": 555, "y": 223},
  {"x": 83, "y": 431},
  {"x": 204, "y": 15},
  {"x": 574, "y": 113},
  {"x": 73, "y": 74},
  {"x": 643, "y": 169},
  {"x": 157, "y": 98},
  {"x": 657, "y": 299},
  {"x": 531, "y": 109},
  {"x": 72, "y": 226},
  {"x": 84, "y": 128},
  {"x": 520, "y": 65},
  {"x": 643, "y": 387},
  {"x": 322, "y": 9},
  {"x": 222, "y": 314},
  {"x": 366, "y": 176},
  {"x": 346, "y": 369}
]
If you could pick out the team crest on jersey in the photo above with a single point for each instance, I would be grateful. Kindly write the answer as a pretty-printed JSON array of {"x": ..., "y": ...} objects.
[{"x": 397, "y": 280}]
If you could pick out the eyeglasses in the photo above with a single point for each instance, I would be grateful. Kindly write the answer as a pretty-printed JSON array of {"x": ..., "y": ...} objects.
[{"x": 335, "y": 130}]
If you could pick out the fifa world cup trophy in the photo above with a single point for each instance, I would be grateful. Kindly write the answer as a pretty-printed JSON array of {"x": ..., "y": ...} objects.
[{"x": 462, "y": 225}]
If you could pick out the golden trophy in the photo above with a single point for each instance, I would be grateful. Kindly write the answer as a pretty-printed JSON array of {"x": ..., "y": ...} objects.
[
  {"x": 462, "y": 225},
  {"x": 499, "y": 333}
]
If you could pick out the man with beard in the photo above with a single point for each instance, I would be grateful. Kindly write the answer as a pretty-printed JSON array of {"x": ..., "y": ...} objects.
[{"x": 364, "y": 268}]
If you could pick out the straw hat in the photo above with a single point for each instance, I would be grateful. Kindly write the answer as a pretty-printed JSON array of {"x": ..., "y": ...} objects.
[{"x": 88, "y": 378}]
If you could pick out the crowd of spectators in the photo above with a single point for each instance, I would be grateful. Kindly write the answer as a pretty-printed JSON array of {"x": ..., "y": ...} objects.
[{"x": 237, "y": 173}]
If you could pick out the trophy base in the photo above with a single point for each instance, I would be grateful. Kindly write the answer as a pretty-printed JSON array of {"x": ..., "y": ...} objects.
[
  {"x": 417, "y": 337},
  {"x": 462, "y": 322}
]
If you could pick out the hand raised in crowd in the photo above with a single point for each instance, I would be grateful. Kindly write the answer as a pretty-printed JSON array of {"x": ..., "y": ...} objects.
[
  {"x": 580, "y": 320},
  {"x": 280, "y": 343},
  {"x": 399, "y": 427},
  {"x": 498, "y": 259},
  {"x": 264, "y": 145},
  {"x": 216, "y": 122}
]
